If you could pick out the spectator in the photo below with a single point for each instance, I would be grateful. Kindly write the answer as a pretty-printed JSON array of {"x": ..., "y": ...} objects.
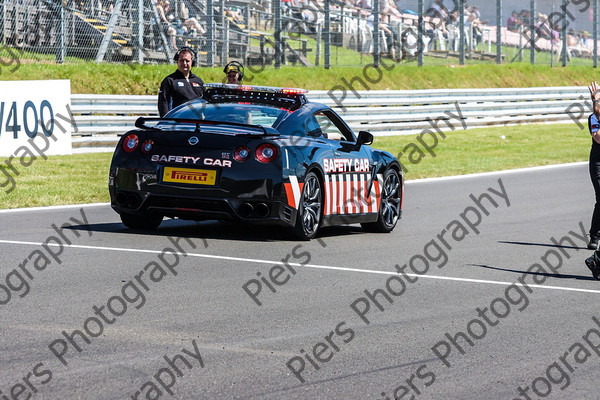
[
  {"x": 437, "y": 10},
  {"x": 572, "y": 43},
  {"x": 167, "y": 17},
  {"x": 193, "y": 27},
  {"x": 453, "y": 30},
  {"x": 513, "y": 23},
  {"x": 467, "y": 25},
  {"x": 583, "y": 43},
  {"x": 388, "y": 7},
  {"x": 476, "y": 13},
  {"x": 476, "y": 23},
  {"x": 525, "y": 17}
]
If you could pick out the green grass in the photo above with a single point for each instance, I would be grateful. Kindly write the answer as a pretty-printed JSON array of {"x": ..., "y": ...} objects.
[
  {"x": 482, "y": 150},
  {"x": 83, "y": 178},
  {"x": 145, "y": 79},
  {"x": 74, "y": 179}
]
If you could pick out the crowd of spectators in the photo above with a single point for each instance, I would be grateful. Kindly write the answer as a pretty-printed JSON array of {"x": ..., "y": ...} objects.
[
  {"x": 396, "y": 24},
  {"x": 178, "y": 25}
]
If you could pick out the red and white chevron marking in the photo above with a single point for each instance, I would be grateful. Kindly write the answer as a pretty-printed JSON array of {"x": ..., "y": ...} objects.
[
  {"x": 347, "y": 194},
  {"x": 344, "y": 193}
]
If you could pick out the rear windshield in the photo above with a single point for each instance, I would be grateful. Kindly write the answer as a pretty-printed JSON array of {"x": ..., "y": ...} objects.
[{"x": 252, "y": 114}]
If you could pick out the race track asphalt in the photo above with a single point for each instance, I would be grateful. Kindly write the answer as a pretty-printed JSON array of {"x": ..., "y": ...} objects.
[{"x": 97, "y": 311}]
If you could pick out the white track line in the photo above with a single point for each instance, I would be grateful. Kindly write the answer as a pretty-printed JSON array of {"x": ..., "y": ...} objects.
[
  {"x": 327, "y": 267},
  {"x": 492, "y": 173},
  {"x": 52, "y": 208}
]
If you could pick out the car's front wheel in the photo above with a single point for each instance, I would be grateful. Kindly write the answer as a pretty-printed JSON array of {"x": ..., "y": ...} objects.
[
  {"x": 146, "y": 221},
  {"x": 308, "y": 218},
  {"x": 389, "y": 209}
]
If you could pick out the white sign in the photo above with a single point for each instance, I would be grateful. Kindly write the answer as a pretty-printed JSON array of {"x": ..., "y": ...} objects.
[{"x": 35, "y": 117}]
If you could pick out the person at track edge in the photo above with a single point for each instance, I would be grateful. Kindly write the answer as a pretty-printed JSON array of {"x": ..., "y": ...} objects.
[
  {"x": 182, "y": 85},
  {"x": 234, "y": 72},
  {"x": 593, "y": 262}
]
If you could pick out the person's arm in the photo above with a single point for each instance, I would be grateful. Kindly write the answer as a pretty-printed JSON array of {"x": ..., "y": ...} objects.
[
  {"x": 595, "y": 95},
  {"x": 164, "y": 98}
]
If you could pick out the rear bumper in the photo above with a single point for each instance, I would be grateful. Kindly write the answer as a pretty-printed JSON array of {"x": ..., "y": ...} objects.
[
  {"x": 246, "y": 210},
  {"x": 262, "y": 200}
]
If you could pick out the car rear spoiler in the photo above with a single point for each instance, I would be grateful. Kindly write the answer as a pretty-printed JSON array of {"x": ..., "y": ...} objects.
[{"x": 140, "y": 123}]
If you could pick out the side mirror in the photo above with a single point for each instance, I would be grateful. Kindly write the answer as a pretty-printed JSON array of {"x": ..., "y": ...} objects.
[{"x": 364, "y": 137}]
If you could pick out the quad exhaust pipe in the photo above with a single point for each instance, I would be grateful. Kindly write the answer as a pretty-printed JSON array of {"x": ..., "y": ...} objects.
[
  {"x": 128, "y": 200},
  {"x": 257, "y": 210}
]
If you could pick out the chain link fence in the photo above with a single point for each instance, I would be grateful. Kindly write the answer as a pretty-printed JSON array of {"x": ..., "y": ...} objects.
[{"x": 301, "y": 32}]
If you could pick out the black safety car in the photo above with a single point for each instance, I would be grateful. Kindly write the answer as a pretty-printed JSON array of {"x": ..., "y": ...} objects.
[{"x": 257, "y": 155}]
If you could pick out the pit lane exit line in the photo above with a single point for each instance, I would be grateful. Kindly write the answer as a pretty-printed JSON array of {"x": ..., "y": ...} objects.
[{"x": 327, "y": 267}]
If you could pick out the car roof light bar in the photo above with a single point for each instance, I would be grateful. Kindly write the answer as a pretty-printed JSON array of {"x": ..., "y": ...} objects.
[{"x": 270, "y": 89}]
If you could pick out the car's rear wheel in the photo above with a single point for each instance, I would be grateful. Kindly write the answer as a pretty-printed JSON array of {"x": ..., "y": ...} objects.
[
  {"x": 144, "y": 221},
  {"x": 389, "y": 209},
  {"x": 310, "y": 208}
]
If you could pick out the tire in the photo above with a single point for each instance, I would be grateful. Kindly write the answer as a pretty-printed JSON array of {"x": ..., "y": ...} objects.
[
  {"x": 147, "y": 222},
  {"x": 389, "y": 208},
  {"x": 310, "y": 208}
]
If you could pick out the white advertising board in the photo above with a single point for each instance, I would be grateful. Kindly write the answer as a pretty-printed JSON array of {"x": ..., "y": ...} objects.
[{"x": 37, "y": 115}]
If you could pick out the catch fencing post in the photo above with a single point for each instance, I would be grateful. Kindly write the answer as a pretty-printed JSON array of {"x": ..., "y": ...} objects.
[
  {"x": 564, "y": 54},
  {"x": 420, "y": 30},
  {"x": 277, "y": 34},
  {"x": 318, "y": 45},
  {"x": 375, "y": 12},
  {"x": 60, "y": 30},
  {"x": 532, "y": 32},
  {"x": 138, "y": 33},
  {"x": 210, "y": 33},
  {"x": 327, "y": 35},
  {"x": 498, "y": 32},
  {"x": 2, "y": 20},
  {"x": 461, "y": 28},
  {"x": 595, "y": 33}
]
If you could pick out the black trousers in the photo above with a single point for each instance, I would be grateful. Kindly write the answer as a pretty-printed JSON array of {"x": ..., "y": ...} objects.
[{"x": 595, "y": 176}]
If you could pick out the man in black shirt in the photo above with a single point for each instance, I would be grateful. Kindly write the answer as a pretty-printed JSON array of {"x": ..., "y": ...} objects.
[{"x": 182, "y": 85}]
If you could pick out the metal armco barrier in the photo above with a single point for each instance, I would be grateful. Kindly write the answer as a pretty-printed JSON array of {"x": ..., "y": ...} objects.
[{"x": 101, "y": 119}]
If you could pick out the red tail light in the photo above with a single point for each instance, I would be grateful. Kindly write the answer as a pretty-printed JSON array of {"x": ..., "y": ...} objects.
[
  {"x": 147, "y": 146},
  {"x": 130, "y": 143},
  {"x": 266, "y": 152},
  {"x": 241, "y": 154}
]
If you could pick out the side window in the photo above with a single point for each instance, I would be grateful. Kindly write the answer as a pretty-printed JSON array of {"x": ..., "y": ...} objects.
[
  {"x": 330, "y": 129},
  {"x": 313, "y": 128}
]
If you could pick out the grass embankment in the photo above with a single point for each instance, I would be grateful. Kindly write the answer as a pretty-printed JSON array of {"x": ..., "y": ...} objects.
[
  {"x": 145, "y": 79},
  {"x": 83, "y": 178}
]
